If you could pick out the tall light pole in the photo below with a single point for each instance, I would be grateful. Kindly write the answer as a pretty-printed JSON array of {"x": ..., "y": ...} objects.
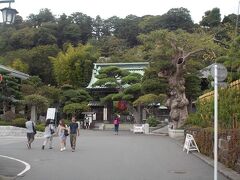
[
  {"x": 236, "y": 28},
  {"x": 8, "y": 13}
]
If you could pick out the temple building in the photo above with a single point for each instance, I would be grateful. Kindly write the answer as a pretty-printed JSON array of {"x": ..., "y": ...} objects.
[
  {"x": 14, "y": 73},
  {"x": 19, "y": 77},
  {"x": 104, "y": 112}
]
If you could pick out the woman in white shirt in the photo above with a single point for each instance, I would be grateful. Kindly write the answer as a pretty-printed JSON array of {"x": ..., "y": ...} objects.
[{"x": 48, "y": 134}]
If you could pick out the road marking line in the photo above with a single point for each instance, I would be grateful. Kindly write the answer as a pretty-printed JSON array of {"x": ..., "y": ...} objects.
[{"x": 28, "y": 167}]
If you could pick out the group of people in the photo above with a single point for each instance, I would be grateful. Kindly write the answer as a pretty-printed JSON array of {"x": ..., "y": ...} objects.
[{"x": 63, "y": 131}]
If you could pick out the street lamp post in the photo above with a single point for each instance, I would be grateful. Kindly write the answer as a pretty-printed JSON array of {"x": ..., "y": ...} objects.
[
  {"x": 236, "y": 28},
  {"x": 8, "y": 13}
]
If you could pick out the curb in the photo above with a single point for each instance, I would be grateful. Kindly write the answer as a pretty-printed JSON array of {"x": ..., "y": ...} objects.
[
  {"x": 6, "y": 178},
  {"x": 159, "y": 134},
  {"x": 227, "y": 172}
]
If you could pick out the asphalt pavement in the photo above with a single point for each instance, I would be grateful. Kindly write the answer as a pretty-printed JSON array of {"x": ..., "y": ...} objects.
[{"x": 101, "y": 155}]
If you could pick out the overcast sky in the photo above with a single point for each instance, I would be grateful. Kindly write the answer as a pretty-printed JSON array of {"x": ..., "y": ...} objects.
[{"x": 122, "y": 8}]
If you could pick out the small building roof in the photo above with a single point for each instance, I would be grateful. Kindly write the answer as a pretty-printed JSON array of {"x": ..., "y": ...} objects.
[
  {"x": 88, "y": 113},
  {"x": 14, "y": 72},
  {"x": 136, "y": 67},
  {"x": 95, "y": 103}
]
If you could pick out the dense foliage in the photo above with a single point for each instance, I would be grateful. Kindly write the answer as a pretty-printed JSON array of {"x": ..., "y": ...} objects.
[
  {"x": 228, "y": 108},
  {"x": 61, "y": 50}
]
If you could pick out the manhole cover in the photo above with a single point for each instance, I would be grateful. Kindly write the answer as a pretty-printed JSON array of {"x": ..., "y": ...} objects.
[
  {"x": 178, "y": 172},
  {"x": 37, "y": 160}
]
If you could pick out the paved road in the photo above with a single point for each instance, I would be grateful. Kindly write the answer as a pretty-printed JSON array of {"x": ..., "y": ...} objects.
[{"x": 105, "y": 156}]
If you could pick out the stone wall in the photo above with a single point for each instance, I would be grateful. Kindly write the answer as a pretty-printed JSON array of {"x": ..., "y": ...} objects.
[{"x": 15, "y": 131}]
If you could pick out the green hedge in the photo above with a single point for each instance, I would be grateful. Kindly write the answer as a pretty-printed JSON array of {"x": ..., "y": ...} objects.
[
  {"x": 40, "y": 127},
  {"x": 19, "y": 122},
  {"x": 5, "y": 123}
]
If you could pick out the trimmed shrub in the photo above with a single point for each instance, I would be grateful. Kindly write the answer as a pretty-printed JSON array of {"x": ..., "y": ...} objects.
[
  {"x": 152, "y": 121},
  {"x": 40, "y": 127},
  {"x": 19, "y": 122}
]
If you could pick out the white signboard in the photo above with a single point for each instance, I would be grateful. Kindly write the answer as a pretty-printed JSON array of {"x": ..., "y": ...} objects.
[
  {"x": 138, "y": 128},
  {"x": 51, "y": 112},
  {"x": 190, "y": 144},
  {"x": 6, "y": 1}
]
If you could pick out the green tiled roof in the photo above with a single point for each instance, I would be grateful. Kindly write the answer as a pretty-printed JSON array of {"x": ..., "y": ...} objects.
[
  {"x": 137, "y": 67},
  {"x": 14, "y": 72}
]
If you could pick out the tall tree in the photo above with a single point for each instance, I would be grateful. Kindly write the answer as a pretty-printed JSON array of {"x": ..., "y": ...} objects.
[
  {"x": 152, "y": 84},
  {"x": 97, "y": 27},
  {"x": 231, "y": 19},
  {"x": 44, "y": 36},
  {"x": 84, "y": 23},
  {"x": 128, "y": 29},
  {"x": 23, "y": 38},
  {"x": 193, "y": 88},
  {"x": 74, "y": 66},
  {"x": 175, "y": 49},
  {"x": 110, "y": 46},
  {"x": 150, "y": 23},
  {"x": 110, "y": 25},
  {"x": 62, "y": 32},
  {"x": 177, "y": 18},
  {"x": 40, "y": 65},
  {"x": 211, "y": 18},
  {"x": 44, "y": 15}
]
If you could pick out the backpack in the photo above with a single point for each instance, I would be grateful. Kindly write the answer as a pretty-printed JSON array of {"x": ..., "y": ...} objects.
[{"x": 51, "y": 130}]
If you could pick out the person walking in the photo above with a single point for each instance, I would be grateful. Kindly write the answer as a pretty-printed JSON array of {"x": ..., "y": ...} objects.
[
  {"x": 62, "y": 131},
  {"x": 31, "y": 131},
  {"x": 87, "y": 123},
  {"x": 116, "y": 123},
  {"x": 74, "y": 132},
  {"x": 48, "y": 134}
]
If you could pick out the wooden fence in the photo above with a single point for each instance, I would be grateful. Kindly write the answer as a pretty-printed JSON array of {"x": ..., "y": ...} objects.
[{"x": 207, "y": 96}]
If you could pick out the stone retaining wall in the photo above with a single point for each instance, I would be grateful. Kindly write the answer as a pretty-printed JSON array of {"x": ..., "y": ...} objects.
[{"x": 15, "y": 131}]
